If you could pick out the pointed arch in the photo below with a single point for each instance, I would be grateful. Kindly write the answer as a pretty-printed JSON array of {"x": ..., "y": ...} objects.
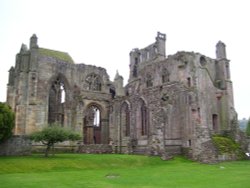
[
  {"x": 92, "y": 124},
  {"x": 57, "y": 98},
  {"x": 125, "y": 118},
  {"x": 142, "y": 118}
]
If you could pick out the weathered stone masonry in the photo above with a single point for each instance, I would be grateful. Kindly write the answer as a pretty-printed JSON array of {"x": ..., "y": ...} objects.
[{"x": 170, "y": 104}]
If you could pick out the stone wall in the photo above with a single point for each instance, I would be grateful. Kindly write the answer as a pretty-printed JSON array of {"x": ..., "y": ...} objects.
[
  {"x": 95, "y": 148},
  {"x": 17, "y": 145}
]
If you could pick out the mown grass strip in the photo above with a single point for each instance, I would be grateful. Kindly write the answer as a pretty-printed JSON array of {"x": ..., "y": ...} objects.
[{"x": 75, "y": 170}]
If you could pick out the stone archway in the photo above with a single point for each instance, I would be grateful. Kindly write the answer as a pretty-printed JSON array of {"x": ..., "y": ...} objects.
[{"x": 92, "y": 125}]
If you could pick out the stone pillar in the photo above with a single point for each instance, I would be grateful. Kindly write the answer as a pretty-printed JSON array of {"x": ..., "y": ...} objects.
[
  {"x": 104, "y": 131},
  {"x": 118, "y": 82},
  {"x": 157, "y": 141}
]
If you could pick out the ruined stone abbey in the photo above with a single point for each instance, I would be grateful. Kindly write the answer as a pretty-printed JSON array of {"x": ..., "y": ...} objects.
[{"x": 170, "y": 105}]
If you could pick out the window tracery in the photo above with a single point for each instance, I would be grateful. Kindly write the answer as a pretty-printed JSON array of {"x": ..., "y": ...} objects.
[
  {"x": 57, "y": 97},
  {"x": 93, "y": 82}
]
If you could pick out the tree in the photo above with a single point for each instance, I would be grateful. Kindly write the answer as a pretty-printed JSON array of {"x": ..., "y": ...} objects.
[
  {"x": 53, "y": 134},
  {"x": 248, "y": 128},
  {"x": 7, "y": 122}
]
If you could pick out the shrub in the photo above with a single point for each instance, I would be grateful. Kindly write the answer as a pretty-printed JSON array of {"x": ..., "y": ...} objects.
[{"x": 7, "y": 122}]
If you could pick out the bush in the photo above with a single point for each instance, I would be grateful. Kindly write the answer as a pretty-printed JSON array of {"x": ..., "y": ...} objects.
[{"x": 7, "y": 122}]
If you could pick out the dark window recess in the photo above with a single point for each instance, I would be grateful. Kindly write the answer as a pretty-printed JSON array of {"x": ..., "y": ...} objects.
[
  {"x": 125, "y": 119},
  {"x": 215, "y": 122},
  {"x": 189, "y": 82},
  {"x": 144, "y": 128},
  {"x": 149, "y": 81},
  {"x": 57, "y": 97},
  {"x": 135, "y": 73}
]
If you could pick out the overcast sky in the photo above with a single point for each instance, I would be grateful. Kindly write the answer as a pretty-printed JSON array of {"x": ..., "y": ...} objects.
[{"x": 102, "y": 32}]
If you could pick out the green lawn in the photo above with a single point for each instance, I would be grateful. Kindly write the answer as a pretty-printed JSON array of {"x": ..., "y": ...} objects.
[{"x": 115, "y": 171}]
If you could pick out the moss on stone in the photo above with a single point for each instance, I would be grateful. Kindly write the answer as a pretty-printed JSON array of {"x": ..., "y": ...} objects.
[
  {"x": 226, "y": 145},
  {"x": 56, "y": 54}
]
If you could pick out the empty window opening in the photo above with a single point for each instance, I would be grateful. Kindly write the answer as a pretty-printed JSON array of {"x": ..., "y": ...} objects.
[
  {"x": 147, "y": 55},
  {"x": 215, "y": 122},
  {"x": 62, "y": 94},
  {"x": 112, "y": 92},
  {"x": 149, "y": 81},
  {"x": 57, "y": 98},
  {"x": 165, "y": 76},
  {"x": 97, "y": 117},
  {"x": 136, "y": 60},
  {"x": 155, "y": 49},
  {"x": 203, "y": 61},
  {"x": 125, "y": 119},
  {"x": 144, "y": 128},
  {"x": 135, "y": 68},
  {"x": 189, "y": 82},
  {"x": 93, "y": 117},
  {"x": 227, "y": 71}
]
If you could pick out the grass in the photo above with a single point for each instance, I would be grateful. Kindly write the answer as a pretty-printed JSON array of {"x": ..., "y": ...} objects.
[
  {"x": 118, "y": 171},
  {"x": 56, "y": 54}
]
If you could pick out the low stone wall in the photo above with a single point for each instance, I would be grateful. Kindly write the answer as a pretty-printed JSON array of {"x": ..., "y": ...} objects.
[
  {"x": 95, "y": 148},
  {"x": 56, "y": 149},
  {"x": 16, "y": 145},
  {"x": 60, "y": 147}
]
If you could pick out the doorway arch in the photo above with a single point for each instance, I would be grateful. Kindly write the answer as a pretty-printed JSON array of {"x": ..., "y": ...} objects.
[{"x": 92, "y": 125}]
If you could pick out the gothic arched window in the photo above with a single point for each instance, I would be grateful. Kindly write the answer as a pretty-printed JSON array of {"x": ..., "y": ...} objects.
[
  {"x": 94, "y": 82},
  {"x": 57, "y": 97},
  {"x": 125, "y": 119},
  {"x": 143, "y": 118}
]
